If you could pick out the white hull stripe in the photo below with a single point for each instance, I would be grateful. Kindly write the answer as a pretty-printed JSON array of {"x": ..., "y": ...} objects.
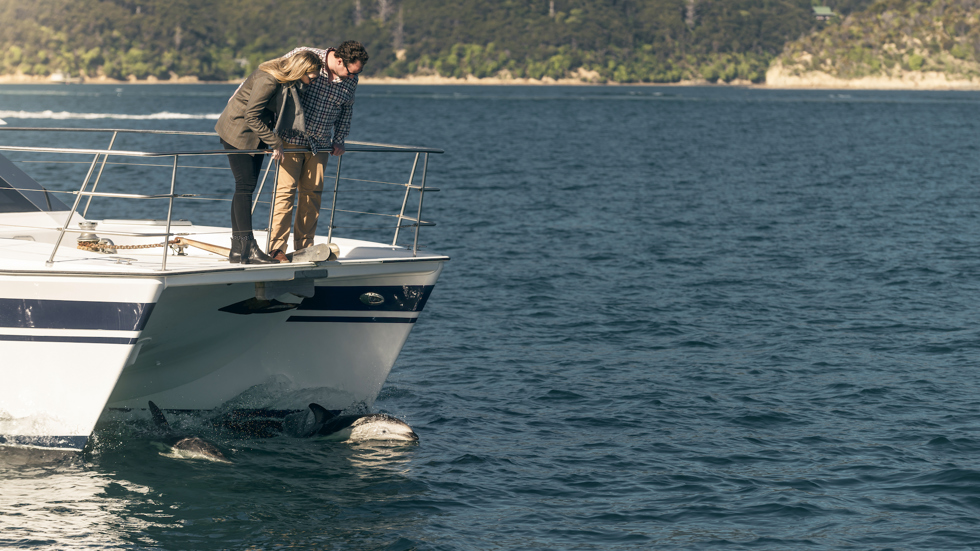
[
  {"x": 60, "y": 442},
  {"x": 60, "y": 338}
]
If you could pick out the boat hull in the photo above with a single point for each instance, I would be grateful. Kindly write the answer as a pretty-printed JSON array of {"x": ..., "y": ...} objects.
[
  {"x": 204, "y": 341},
  {"x": 104, "y": 315},
  {"x": 213, "y": 346},
  {"x": 63, "y": 344}
]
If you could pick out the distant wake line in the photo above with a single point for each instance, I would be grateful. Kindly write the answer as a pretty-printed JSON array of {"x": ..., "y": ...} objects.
[{"x": 65, "y": 115}]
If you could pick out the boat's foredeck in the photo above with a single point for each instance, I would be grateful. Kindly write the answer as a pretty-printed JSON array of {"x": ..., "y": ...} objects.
[
  {"x": 139, "y": 251},
  {"x": 41, "y": 234}
]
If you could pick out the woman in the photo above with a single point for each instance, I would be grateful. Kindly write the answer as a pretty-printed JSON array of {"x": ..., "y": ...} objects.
[{"x": 265, "y": 103}]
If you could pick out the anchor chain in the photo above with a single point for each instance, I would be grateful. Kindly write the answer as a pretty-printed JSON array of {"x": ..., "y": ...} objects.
[
  {"x": 106, "y": 246},
  {"x": 100, "y": 247}
]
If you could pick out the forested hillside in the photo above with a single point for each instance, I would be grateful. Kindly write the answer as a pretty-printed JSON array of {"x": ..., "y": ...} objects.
[
  {"x": 893, "y": 38},
  {"x": 621, "y": 40}
]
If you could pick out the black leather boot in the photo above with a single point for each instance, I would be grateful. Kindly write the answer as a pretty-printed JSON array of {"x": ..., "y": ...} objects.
[
  {"x": 254, "y": 255},
  {"x": 237, "y": 249}
]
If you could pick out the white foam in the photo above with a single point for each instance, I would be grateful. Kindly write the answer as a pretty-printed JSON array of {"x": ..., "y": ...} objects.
[
  {"x": 2, "y": 122},
  {"x": 65, "y": 115}
]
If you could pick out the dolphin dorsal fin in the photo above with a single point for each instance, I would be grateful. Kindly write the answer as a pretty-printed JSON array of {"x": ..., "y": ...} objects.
[
  {"x": 320, "y": 414},
  {"x": 158, "y": 417}
]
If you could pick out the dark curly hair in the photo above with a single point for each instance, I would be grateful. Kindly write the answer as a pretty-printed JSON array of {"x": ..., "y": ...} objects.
[{"x": 352, "y": 51}]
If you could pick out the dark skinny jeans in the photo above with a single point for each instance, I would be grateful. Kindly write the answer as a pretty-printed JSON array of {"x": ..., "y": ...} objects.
[{"x": 245, "y": 168}]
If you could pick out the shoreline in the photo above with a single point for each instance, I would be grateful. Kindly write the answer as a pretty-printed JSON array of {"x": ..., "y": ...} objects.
[
  {"x": 780, "y": 77},
  {"x": 777, "y": 78},
  {"x": 419, "y": 80}
]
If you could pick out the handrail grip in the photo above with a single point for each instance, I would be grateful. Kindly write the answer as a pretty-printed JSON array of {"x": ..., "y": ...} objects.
[
  {"x": 110, "y": 232},
  {"x": 201, "y": 152},
  {"x": 124, "y": 130},
  {"x": 130, "y": 195},
  {"x": 374, "y": 145}
]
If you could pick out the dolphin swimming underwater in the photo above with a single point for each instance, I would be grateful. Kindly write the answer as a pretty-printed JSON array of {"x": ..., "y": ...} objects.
[
  {"x": 190, "y": 447},
  {"x": 358, "y": 428}
]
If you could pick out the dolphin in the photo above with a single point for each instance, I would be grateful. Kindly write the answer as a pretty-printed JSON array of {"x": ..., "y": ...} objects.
[
  {"x": 190, "y": 447},
  {"x": 358, "y": 428}
]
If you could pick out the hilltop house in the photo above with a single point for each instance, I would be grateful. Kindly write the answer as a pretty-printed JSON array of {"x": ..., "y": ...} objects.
[{"x": 823, "y": 13}]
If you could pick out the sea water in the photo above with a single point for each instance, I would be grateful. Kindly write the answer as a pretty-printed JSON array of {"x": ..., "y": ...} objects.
[{"x": 674, "y": 318}]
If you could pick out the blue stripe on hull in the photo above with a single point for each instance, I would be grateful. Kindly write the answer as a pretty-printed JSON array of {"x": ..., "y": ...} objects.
[
  {"x": 73, "y": 314},
  {"x": 397, "y": 298},
  {"x": 59, "y": 338},
  {"x": 59, "y": 442},
  {"x": 348, "y": 319},
  {"x": 394, "y": 298}
]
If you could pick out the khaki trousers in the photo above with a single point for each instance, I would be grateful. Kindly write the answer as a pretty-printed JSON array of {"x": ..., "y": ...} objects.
[{"x": 302, "y": 172}]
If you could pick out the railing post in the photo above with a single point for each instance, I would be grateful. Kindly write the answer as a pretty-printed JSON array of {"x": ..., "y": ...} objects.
[
  {"x": 333, "y": 204},
  {"x": 170, "y": 212},
  {"x": 272, "y": 203},
  {"x": 418, "y": 218},
  {"x": 99, "y": 176},
  {"x": 258, "y": 192},
  {"x": 74, "y": 208},
  {"x": 408, "y": 189}
]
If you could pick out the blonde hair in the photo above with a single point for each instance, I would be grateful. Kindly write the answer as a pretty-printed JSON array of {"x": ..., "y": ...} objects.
[{"x": 290, "y": 69}]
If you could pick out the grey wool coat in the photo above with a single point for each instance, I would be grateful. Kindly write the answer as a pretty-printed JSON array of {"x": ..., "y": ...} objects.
[{"x": 259, "y": 108}]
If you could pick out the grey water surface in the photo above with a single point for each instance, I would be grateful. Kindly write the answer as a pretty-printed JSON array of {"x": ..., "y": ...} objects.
[{"x": 674, "y": 318}]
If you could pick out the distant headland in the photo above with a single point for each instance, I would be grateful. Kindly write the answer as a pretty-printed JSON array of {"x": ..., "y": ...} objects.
[{"x": 838, "y": 44}]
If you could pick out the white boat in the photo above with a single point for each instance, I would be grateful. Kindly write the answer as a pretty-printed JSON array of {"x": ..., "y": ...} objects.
[{"x": 85, "y": 330}]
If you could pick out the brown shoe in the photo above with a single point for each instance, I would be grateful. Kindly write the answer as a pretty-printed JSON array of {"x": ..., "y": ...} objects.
[{"x": 280, "y": 256}]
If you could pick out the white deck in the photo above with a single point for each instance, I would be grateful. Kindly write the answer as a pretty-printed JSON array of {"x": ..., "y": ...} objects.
[{"x": 19, "y": 253}]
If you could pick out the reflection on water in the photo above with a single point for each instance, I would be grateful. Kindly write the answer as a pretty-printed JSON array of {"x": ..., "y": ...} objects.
[
  {"x": 279, "y": 491},
  {"x": 376, "y": 458},
  {"x": 54, "y": 499},
  {"x": 284, "y": 490}
]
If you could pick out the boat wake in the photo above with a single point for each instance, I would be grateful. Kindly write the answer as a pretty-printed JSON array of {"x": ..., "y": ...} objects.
[{"x": 66, "y": 115}]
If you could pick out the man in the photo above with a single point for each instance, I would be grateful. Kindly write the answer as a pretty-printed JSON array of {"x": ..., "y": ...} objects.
[{"x": 328, "y": 104}]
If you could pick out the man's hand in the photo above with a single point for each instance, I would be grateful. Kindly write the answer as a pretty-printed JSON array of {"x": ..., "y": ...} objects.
[
  {"x": 277, "y": 154},
  {"x": 338, "y": 150}
]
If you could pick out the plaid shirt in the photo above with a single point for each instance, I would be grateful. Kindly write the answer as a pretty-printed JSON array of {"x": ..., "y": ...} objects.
[{"x": 326, "y": 105}]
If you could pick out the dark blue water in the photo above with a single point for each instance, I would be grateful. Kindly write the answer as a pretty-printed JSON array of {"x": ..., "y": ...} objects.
[{"x": 675, "y": 318}]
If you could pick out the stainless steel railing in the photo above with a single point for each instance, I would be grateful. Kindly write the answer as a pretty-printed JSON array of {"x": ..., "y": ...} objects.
[{"x": 403, "y": 220}]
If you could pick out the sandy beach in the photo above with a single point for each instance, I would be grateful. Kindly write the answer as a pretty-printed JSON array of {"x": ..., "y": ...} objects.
[{"x": 779, "y": 76}]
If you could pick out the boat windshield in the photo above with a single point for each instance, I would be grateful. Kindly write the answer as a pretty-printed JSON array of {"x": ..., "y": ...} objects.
[{"x": 20, "y": 193}]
